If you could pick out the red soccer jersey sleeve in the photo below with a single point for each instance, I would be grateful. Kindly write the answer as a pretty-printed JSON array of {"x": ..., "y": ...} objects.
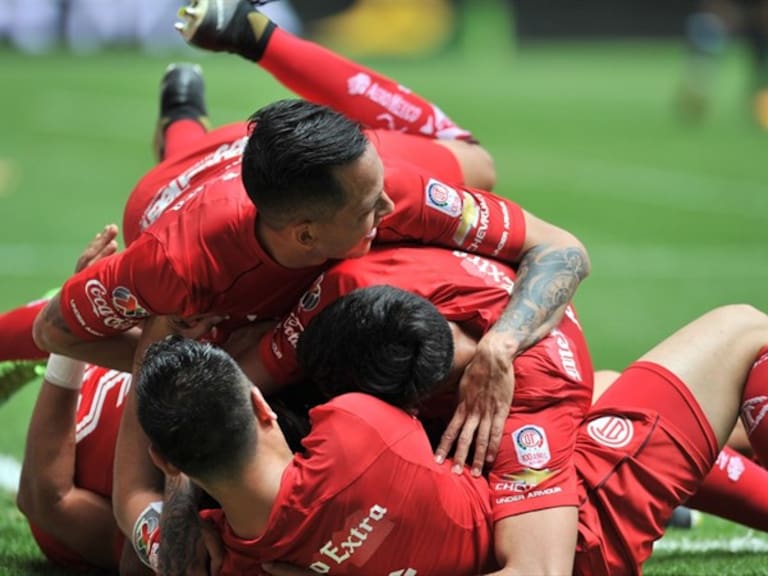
[
  {"x": 430, "y": 211},
  {"x": 115, "y": 293}
]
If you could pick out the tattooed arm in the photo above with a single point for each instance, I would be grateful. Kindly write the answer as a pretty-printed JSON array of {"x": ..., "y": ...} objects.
[
  {"x": 187, "y": 545},
  {"x": 552, "y": 265}
]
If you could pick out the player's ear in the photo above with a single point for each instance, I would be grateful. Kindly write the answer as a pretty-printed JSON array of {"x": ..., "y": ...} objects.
[
  {"x": 304, "y": 234},
  {"x": 163, "y": 464},
  {"x": 263, "y": 412}
]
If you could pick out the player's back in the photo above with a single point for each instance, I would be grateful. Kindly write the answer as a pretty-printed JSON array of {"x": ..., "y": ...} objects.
[{"x": 366, "y": 497}]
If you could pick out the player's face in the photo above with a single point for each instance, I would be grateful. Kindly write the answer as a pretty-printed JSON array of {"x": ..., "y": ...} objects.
[{"x": 352, "y": 229}]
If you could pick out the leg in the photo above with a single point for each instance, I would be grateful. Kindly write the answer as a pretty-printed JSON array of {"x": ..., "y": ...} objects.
[
  {"x": 706, "y": 32},
  {"x": 713, "y": 356},
  {"x": 16, "y": 330},
  {"x": 20, "y": 358},
  {"x": 654, "y": 435},
  {"x": 183, "y": 115},
  {"x": 324, "y": 77},
  {"x": 757, "y": 35},
  {"x": 533, "y": 482},
  {"x": 734, "y": 489}
]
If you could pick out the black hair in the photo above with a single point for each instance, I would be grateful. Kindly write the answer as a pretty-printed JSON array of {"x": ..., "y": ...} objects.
[
  {"x": 380, "y": 340},
  {"x": 289, "y": 161},
  {"x": 194, "y": 404}
]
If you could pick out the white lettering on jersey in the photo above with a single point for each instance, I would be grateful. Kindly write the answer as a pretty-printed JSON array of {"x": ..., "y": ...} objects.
[
  {"x": 485, "y": 216},
  {"x": 487, "y": 269},
  {"x": 98, "y": 296},
  {"x": 169, "y": 193},
  {"x": 109, "y": 380},
  {"x": 567, "y": 357},
  {"x": 340, "y": 552}
]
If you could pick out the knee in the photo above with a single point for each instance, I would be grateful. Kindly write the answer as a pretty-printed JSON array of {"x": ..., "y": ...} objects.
[
  {"x": 745, "y": 316},
  {"x": 479, "y": 168},
  {"x": 476, "y": 163}
]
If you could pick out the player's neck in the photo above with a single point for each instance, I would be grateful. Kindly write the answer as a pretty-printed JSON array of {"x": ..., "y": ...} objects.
[
  {"x": 248, "y": 502},
  {"x": 280, "y": 246}
]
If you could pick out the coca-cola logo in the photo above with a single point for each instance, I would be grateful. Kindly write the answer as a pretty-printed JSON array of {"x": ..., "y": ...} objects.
[{"x": 102, "y": 308}]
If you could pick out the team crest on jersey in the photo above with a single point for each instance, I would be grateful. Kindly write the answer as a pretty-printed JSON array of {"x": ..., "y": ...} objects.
[
  {"x": 531, "y": 446},
  {"x": 443, "y": 198},
  {"x": 311, "y": 297},
  {"x": 611, "y": 431},
  {"x": 127, "y": 304}
]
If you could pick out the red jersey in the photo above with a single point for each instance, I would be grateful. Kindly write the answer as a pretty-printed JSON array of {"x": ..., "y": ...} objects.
[
  {"x": 197, "y": 251},
  {"x": 99, "y": 409},
  {"x": 465, "y": 288},
  {"x": 366, "y": 497},
  {"x": 644, "y": 448},
  {"x": 553, "y": 379}
]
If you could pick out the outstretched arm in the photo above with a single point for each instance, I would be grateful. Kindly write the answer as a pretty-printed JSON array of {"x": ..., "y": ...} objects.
[
  {"x": 137, "y": 484},
  {"x": 552, "y": 265},
  {"x": 47, "y": 493},
  {"x": 52, "y": 333}
]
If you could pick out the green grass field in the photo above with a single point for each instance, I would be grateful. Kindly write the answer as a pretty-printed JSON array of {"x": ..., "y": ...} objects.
[{"x": 675, "y": 216}]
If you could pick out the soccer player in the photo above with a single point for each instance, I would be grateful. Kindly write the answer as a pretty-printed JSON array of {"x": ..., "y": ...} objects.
[
  {"x": 366, "y": 497},
  {"x": 205, "y": 256},
  {"x": 552, "y": 379},
  {"x": 66, "y": 478},
  {"x": 708, "y": 32}
]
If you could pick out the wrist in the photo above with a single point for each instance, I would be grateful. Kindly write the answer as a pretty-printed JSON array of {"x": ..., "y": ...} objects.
[{"x": 64, "y": 372}]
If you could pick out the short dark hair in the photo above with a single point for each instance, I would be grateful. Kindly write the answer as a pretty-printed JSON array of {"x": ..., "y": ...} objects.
[
  {"x": 193, "y": 402},
  {"x": 290, "y": 159},
  {"x": 380, "y": 340}
]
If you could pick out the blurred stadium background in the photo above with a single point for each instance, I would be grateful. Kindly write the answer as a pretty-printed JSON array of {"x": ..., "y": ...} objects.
[{"x": 576, "y": 101}]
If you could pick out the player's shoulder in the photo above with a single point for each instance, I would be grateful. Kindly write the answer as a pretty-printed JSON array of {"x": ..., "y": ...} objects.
[{"x": 364, "y": 412}]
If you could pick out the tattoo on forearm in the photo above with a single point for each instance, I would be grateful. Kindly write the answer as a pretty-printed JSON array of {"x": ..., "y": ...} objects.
[
  {"x": 179, "y": 526},
  {"x": 52, "y": 315},
  {"x": 547, "y": 279}
]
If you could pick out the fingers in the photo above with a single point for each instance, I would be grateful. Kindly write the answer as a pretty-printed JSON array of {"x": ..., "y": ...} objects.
[
  {"x": 103, "y": 244},
  {"x": 450, "y": 434},
  {"x": 482, "y": 442},
  {"x": 497, "y": 431},
  {"x": 464, "y": 443}
]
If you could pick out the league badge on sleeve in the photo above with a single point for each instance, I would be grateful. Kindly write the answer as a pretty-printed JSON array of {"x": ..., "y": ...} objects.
[
  {"x": 127, "y": 304},
  {"x": 531, "y": 446},
  {"x": 443, "y": 198}
]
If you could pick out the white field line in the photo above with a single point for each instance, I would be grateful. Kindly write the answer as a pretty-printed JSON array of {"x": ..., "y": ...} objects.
[
  {"x": 750, "y": 542},
  {"x": 10, "y": 471}
]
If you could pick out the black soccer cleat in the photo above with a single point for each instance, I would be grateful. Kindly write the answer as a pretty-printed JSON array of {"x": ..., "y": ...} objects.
[
  {"x": 182, "y": 95},
  {"x": 227, "y": 26}
]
